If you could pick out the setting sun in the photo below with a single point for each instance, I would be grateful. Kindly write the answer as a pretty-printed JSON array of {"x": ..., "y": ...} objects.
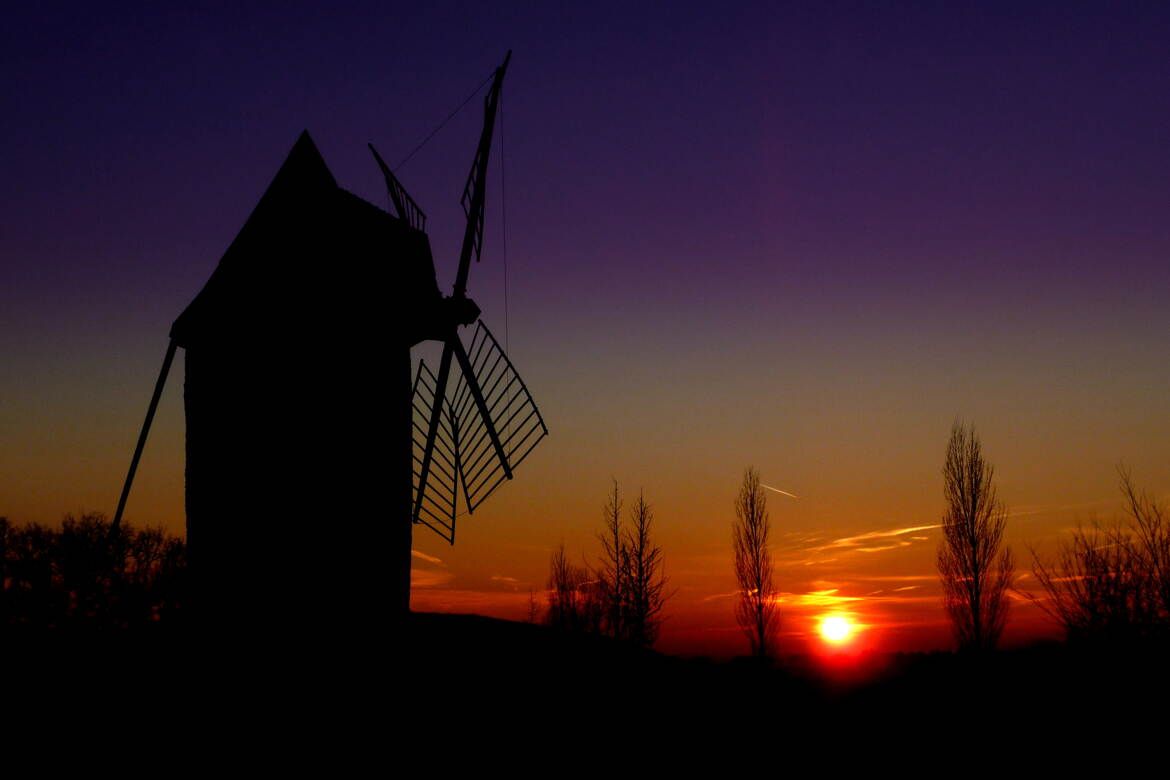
[{"x": 836, "y": 629}]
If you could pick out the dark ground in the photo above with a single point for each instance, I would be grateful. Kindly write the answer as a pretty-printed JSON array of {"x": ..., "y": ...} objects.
[{"x": 456, "y": 676}]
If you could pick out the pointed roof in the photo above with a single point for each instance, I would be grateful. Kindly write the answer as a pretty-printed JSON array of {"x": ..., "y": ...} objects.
[
  {"x": 304, "y": 243},
  {"x": 304, "y": 168}
]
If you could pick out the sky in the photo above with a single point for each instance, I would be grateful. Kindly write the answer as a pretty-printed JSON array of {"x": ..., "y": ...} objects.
[{"x": 804, "y": 237}]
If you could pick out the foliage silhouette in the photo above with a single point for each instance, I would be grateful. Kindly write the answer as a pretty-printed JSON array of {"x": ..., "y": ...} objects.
[
  {"x": 1110, "y": 582},
  {"x": 87, "y": 574},
  {"x": 975, "y": 567},
  {"x": 756, "y": 611}
]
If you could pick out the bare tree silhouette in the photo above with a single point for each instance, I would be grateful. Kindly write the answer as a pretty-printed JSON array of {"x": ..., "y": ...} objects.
[
  {"x": 756, "y": 611},
  {"x": 573, "y": 600},
  {"x": 613, "y": 573},
  {"x": 1150, "y": 521},
  {"x": 645, "y": 582},
  {"x": 974, "y": 565},
  {"x": 1110, "y": 582}
]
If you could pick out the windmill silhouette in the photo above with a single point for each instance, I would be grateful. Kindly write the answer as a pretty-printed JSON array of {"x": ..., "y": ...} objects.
[{"x": 296, "y": 411}]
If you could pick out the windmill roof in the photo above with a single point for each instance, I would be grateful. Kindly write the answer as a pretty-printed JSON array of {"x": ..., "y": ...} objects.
[{"x": 310, "y": 251}]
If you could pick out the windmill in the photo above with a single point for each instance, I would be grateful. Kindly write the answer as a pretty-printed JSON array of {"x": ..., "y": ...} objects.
[
  {"x": 297, "y": 417},
  {"x": 470, "y": 441}
]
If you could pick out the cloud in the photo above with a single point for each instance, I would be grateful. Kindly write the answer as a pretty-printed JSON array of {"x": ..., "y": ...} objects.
[
  {"x": 1043, "y": 509},
  {"x": 817, "y": 598},
  {"x": 802, "y": 551},
  {"x": 425, "y": 557},
  {"x": 861, "y": 539},
  {"x": 510, "y": 581},
  {"x": 429, "y": 578},
  {"x": 894, "y": 577}
]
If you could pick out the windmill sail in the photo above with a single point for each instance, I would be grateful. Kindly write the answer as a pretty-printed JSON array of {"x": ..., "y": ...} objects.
[
  {"x": 465, "y": 442},
  {"x": 434, "y": 498},
  {"x": 407, "y": 209},
  {"x": 512, "y": 413}
]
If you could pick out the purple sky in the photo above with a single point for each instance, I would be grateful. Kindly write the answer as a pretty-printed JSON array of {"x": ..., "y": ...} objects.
[{"x": 801, "y": 236}]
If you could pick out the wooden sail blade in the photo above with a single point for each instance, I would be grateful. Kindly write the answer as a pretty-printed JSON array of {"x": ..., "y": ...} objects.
[
  {"x": 436, "y": 459},
  {"x": 474, "y": 190},
  {"x": 494, "y": 436},
  {"x": 407, "y": 209},
  {"x": 435, "y": 498}
]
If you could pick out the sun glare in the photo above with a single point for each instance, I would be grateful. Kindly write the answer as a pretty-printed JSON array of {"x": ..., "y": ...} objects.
[{"x": 836, "y": 629}]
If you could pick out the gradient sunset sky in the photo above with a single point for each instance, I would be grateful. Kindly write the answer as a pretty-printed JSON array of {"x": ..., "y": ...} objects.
[{"x": 801, "y": 236}]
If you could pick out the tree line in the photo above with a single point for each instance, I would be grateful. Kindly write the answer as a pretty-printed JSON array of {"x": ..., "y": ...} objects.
[
  {"x": 622, "y": 595},
  {"x": 87, "y": 574},
  {"x": 1108, "y": 582}
]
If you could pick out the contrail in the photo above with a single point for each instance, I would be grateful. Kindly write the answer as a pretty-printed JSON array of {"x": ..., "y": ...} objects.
[{"x": 778, "y": 490}]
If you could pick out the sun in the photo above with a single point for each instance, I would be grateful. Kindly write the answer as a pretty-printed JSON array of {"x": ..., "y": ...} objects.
[{"x": 836, "y": 628}]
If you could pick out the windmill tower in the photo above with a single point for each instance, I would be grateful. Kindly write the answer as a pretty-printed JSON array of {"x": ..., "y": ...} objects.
[{"x": 304, "y": 416}]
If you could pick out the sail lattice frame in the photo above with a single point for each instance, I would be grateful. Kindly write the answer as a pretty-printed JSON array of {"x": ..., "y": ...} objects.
[
  {"x": 463, "y": 444},
  {"x": 437, "y": 508},
  {"x": 513, "y": 413}
]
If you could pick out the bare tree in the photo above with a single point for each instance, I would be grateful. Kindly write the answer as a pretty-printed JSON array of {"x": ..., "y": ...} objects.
[
  {"x": 1110, "y": 582},
  {"x": 1150, "y": 522},
  {"x": 756, "y": 611},
  {"x": 613, "y": 573},
  {"x": 645, "y": 583},
  {"x": 1095, "y": 587},
  {"x": 573, "y": 600},
  {"x": 974, "y": 565}
]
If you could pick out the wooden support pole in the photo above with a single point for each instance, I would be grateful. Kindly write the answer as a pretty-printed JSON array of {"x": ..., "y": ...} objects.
[{"x": 158, "y": 388}]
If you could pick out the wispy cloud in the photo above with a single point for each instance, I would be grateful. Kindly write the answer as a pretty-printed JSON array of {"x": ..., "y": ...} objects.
[
  {"x": 808, "y": 550},
  {"x": 424, "y": 557},
  {"x": 511, "y": 581},
  {"x": 721, "y": 596},
  {"x": 778, "y": 490},
  {"x": 860, "y": 540},
  {"x": 817, "y": 598},
  {"x": 429, "y": 578},
  {"x": 1044, "y": 509},
  {"x": 894, "y": 577}
]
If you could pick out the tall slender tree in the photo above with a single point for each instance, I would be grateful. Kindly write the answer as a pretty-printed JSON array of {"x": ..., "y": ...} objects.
[
  {"x": 645, "y": 581},
  {"x": 974, "y": 565},
  {"x": 613, "y": 572},
  {"x": 756, "y": 612}
]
